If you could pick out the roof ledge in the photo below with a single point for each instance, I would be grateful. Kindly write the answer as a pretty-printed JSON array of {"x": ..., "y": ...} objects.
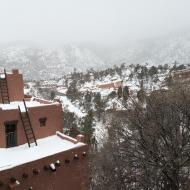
[{"x": 65, "y": 137}]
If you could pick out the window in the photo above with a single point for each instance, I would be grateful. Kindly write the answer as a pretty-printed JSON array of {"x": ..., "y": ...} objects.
[
  {"x": 43, "y": 121},
  {"x": 11, "y": 133}
]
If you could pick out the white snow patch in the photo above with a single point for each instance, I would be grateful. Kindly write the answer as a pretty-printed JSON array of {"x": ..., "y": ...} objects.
[
  {"x": 12, "y": 157},
  {"x": 100, "y": 133},
  {"x": 67, "y": 104},
  {"x": 14, "y": 105}
]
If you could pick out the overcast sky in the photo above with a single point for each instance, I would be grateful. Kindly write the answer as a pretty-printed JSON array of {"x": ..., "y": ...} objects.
[{"x": 99, "y": 21}]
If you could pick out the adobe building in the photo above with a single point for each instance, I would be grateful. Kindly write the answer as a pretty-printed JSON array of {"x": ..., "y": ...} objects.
[
  {"x": 113, "y": 84},
  {"x": 34, "y": 153},
  {"x": 181, "y": 75}
]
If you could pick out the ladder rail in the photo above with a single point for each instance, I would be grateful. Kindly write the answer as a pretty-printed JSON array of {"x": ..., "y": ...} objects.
[
  {"x": 23, "y": 126},
  {"x": 27, "y": 126},
  {"x": 29, "y": 122},
  {"x": 5, "y": 73},
  {"x": 1, "y": 92},
  {"x": 3, "y": 97}
]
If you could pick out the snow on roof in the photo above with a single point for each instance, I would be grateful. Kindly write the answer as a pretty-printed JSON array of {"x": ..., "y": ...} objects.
[
  {"x": 12, "y": 157},
  {"x": 62, "y": 90},
  {"x": 26, "y": 90},
  {"x": 109, "y": 82},
  {"x": 14, "y": 105},
  {"x": 2, "y": 76}
]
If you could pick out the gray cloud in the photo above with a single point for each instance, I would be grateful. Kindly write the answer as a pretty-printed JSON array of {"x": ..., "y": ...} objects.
[{"x": 99, "y": 21}]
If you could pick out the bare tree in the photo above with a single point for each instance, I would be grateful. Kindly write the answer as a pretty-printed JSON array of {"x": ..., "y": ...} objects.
[{"x": 152, "y": 149}]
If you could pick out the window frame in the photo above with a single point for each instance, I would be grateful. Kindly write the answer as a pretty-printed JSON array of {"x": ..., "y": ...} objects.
[{"x": 42, "y": 121}]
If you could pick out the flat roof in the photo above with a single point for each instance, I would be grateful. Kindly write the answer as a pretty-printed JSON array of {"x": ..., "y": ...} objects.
[
  {"x": 29, "y": 104},
  {"x": 12, "y": 157}
]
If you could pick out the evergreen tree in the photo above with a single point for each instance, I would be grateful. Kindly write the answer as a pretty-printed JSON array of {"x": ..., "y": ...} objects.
[
  {"x": 153, "y": 70},
  {"x": 88, "y": 99},
  {"x": 99, "y": 104},
  {"x": 88, "y": 129},
  {"x": 72, "y": 92},
  {"x": 181, "y": 67},
  {"x": 141, "y": 95},
  {"x": 52, "y": 95},
  {"x": 169, "y": 81},
  {"x": 119, "y": 92},
  {"x": 70, "y": 124},
  {"x": 125, "y": 93},
  {"x": 112, "y": 94}
]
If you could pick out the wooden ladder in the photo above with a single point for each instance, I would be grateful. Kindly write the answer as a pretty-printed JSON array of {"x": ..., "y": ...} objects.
[
  {"x": 29, "y": 133},
  {"x": 4, "y": 89}
]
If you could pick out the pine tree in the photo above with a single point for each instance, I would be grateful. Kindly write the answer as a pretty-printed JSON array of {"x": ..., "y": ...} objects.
[
  {"x": 112, "y": 94},
  {"x": 52, "y": 95},
  {"x": 125, "y": 93},
  {"x": 70, "y": 124},
  {"x": 88, "y": 129},
  {"x": 99, "y": 104},
  {"x": 88, "y": 99},
  {"x": 153, "y": 70},
  {"x": 119, "y": 92},
  {"x": 72, "y": 91}
]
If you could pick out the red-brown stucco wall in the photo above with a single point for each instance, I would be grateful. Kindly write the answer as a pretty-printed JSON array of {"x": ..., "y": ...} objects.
[
  {"x": 54, "y": 122},
  {"x": 15, "y": 86},
  {"x": 69, "y": 176}
]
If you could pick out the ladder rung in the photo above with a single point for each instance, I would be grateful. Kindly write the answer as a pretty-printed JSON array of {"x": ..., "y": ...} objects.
[
  {"x": 27, "y": 124},
  {"x": 25, "y": 117},
  {"x": 4, "y": 90},
  {"x": 31, "y": 138},
  {"x": 27, "y": 128},
  {"x": 30, "y": 135}
]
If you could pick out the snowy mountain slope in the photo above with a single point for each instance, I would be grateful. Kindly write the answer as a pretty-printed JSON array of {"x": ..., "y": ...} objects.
[
  {"x": 135, "y": 77},
  {"x": 163, "y": 50},
  {"x": 48, "y": 62},
  {"x": 45, "y": 63}
]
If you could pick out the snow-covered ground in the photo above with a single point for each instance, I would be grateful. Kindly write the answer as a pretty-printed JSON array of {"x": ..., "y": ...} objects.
[
  {"x": 100, "y": 133},
  {"x": 130, "y": 77},
  {"x": 68, "y": 105}
]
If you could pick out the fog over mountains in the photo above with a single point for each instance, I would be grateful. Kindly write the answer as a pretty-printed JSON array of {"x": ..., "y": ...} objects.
[{"x": 49, "y": 62}]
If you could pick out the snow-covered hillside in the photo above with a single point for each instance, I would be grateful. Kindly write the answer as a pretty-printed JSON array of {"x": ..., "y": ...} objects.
[
  {"x": 48, "y": 62},
  {"x": 135, "y": 77},
  {"x": 80, "y": 93},
  {"x": 161, "y": 50}
]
